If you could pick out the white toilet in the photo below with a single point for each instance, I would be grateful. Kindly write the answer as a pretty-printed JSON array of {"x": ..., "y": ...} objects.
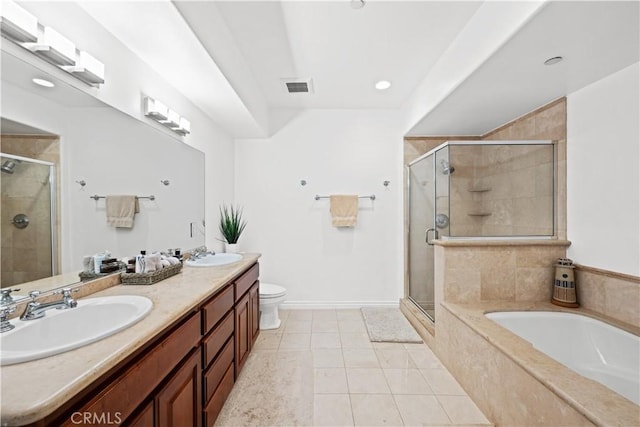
[{"x": 271, "y": 296}]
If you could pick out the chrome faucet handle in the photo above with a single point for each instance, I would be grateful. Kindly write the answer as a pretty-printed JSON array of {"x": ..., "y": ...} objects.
[
  {"x": 6, "y": 295},
  {"x": 66, "y": 292},
  {"x": 5, "y": 311},
  {"x": 34, "y": 295},
  {"x": 66, "y": 297}
]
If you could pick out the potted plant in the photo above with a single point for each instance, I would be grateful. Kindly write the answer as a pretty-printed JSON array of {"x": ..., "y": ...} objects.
[{"x": 231, "y": 226}]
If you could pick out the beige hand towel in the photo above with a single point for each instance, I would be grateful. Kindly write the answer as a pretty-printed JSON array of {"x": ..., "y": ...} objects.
[
  {"x": 120, "y": 210},
  {"x": 344, "y": 210}
]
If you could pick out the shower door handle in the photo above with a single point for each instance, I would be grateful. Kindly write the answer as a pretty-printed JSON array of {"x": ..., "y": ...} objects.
[{"x": 426, "y": 236}]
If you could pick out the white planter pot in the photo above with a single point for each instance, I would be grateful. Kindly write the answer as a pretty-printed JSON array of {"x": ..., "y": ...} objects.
[{"x": 231, "y": 248}]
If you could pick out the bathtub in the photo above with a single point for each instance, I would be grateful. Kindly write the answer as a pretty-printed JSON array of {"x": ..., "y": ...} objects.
[{"x": 591, "y": 348}]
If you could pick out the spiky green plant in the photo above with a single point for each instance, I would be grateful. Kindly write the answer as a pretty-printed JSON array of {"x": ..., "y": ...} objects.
[{"x": 231, "y": 223}]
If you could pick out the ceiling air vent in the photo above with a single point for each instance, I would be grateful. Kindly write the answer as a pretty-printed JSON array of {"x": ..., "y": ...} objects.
[{"x": 294, "y": 85}]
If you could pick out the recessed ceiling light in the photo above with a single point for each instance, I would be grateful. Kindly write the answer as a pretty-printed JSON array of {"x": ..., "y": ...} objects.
[
  {"x": 383, "y": 85},
  {"x": 554, "y": 60},
  {"x": 43, "y": 82},
  {"x": 357, "y": 4}
]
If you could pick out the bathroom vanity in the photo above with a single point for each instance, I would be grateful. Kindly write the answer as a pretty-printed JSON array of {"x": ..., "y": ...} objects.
[{"x": 175, "y": 367}]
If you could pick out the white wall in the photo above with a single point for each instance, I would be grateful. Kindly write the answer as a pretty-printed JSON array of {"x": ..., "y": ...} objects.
[
  {"x": 603, "y": 178},
  {"x": 337, "y": 152}
]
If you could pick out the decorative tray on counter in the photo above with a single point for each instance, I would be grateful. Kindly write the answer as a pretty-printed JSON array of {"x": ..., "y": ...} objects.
[{"x": 150, "y": 278}]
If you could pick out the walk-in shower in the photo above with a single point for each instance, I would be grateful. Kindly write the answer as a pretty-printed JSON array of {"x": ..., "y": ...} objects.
[
  {"x": 28, "y": 219},
  {"x": 475, "y": 190}
]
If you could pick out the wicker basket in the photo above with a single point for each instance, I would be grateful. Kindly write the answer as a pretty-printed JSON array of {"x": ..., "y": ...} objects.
[{"x": 150, "y": 278}]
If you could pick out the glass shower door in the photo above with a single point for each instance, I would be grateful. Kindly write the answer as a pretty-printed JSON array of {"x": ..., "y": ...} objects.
[
  {"x": 421, "y": 212},
  {"x": 28, "y": 238}
]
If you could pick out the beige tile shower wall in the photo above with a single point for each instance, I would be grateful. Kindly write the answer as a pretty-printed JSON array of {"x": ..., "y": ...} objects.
[
  {"x": 465, "y": 201},
  {"x": 547, "y": 122},
  {"x": 519, "y": 184},
  {"x": 26, "y": 253},
  {"x": 611, "y": 294},
  {"x": 473, "y": 271}
]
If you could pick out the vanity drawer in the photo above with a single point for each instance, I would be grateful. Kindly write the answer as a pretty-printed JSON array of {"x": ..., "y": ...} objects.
[
  {"x": 213, "y": 375},
  {"x": 216, "y": 308},
  {"x": 214, "y": 342},
  {"x": 244, "y": 282},
  {"x": 212, "y": 410},
  {"x": 136, "y": 383}
]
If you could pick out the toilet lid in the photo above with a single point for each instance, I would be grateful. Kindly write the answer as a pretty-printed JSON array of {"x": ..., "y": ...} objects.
[{"x": 271, "y": 291}]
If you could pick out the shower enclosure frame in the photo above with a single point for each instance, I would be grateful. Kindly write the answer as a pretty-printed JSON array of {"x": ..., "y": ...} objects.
[
  {"x": 433, "y": 227},
  {"x": 52, "y": 205}
]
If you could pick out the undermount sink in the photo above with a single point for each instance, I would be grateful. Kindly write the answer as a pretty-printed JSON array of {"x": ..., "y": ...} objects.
[
  {"x": 214, "y": 260},
  {"x": 63, "y": 330}
]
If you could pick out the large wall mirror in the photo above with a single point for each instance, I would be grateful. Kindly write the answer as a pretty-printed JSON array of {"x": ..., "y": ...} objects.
[{"x": 61, "y": 146}]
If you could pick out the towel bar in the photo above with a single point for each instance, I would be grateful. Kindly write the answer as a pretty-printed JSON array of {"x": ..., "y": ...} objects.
[
  {"x": 96, "y": 197},
  {"x": 372, "y": 197}
]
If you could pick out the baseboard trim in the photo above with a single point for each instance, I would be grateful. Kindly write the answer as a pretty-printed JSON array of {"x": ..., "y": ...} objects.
[{"x": 312, "y": 305}]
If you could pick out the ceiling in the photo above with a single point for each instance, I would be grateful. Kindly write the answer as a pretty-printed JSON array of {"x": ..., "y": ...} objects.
[{"x": 229, "y": 57}]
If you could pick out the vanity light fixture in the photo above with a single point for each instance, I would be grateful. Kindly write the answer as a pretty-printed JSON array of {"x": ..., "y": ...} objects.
[
  {"x": 43, "y": 82},
  {"x": 155, "y": 109},
  {"x": 18, "y": 24},
  {"x": 383, "y": 85},
  {"x": 54, "y": 47},
  {"x": 172, "y": 120},
  {"x": 159, "y": 112},
  {"x": 184, "y": 127},
  {"x": 87, "y": 69}
]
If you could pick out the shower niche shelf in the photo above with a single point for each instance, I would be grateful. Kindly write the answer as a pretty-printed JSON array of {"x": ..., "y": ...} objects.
[
  {"x": 479, "y": 214},
  {"x": 479, "y": 189}
]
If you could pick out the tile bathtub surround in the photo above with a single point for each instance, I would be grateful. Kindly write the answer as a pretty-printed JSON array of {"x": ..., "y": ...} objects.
[
  {"x": 356, "y": 383},
  {"x": 611, "y": 294},
  {"x": 518, "y": 270},
  {"x": 515, "y": 385}
]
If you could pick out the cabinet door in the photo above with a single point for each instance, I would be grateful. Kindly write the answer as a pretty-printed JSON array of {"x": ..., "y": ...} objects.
[
  {"x": 243, "y": 332},
  {"x": 254, "y": 300},
  {"x": 179, "y": 403}
]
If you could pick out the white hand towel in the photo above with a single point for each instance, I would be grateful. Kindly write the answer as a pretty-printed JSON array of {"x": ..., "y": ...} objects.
[
  {"x": 121, "y": 210},
  {"x": 344, "y": 210}
]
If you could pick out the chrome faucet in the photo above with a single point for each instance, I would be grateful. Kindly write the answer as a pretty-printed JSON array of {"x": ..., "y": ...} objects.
[
  {"x": 5, "y": 311},
  {"x": 36, "y": 310},
  {"x": 201, "y": 252},
  {"x": 6, "y": 296}
]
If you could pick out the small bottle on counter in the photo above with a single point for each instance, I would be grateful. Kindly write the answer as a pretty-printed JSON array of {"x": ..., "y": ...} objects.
[
  {"x": 178, "y": 254},
  {"x": 140, "y": 262}
]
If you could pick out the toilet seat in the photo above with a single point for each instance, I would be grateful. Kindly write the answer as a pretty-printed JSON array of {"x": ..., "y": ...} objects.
[{"x": 267, "y": 290}]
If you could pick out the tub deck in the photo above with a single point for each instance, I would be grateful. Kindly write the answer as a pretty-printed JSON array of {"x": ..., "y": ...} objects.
[{"x": 514, "y": 383}]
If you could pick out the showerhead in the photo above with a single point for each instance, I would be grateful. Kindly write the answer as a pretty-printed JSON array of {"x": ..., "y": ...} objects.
[
  {"x": 447, "y": 169},
  {"x": 8, "y": 166}
]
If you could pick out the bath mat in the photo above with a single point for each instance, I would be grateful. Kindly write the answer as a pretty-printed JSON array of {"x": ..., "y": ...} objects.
[{"x": 388, "y": 325}]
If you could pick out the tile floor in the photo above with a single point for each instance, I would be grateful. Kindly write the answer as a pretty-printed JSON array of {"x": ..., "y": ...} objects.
[{"x": 319, "y": 368}]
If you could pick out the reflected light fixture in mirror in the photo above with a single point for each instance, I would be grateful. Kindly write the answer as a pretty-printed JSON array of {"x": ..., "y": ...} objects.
[
  {"x": 159, "y": 112},
  {"x": 383, "y": 85},
  {"x": 43, "y": 82}
]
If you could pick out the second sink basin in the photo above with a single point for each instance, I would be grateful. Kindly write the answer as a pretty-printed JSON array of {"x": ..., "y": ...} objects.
[
  {"x": 213, "y": 260},
  {"x": 63, "y": 330}
]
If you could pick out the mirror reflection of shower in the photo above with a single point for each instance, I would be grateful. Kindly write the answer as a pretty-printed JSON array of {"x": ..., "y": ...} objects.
[
  {"x": 9, "y": 165},
  {"x": 28, "y": 217},
  {"x": 447, "y": 169}
]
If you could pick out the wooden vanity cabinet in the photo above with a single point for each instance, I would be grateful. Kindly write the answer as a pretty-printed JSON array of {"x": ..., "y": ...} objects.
[
  {"x": 247, "y": 313},
  {"x": 184, "y": 376}
]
